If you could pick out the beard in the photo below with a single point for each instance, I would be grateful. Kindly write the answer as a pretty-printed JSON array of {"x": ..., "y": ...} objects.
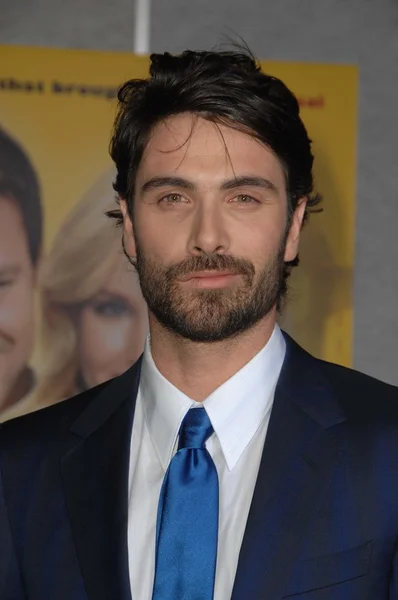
[{"x": 210, "y": 315}]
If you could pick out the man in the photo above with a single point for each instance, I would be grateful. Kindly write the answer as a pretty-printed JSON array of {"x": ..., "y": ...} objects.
[
  {"x": 227, "y": 462},
  {"x": 20, "y": 245}
]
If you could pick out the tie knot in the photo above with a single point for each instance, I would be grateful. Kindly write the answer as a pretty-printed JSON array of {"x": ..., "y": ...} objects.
[{"x": 196, "y": 428}]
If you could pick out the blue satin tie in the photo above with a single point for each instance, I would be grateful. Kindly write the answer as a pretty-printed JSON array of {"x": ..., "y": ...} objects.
[{"x": 187, "y": 525}]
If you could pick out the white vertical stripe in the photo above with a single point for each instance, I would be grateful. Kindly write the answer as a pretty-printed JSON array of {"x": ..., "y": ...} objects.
[{"x": 141, "y": 26}]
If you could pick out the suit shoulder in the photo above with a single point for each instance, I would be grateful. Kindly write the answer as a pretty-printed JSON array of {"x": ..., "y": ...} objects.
[
  {"x": 47, "y": 425},
  {"x": 362, "y": 394}
]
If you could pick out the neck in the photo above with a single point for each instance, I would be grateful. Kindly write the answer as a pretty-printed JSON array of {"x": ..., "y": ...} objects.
[{"x": 199, "y": 368}]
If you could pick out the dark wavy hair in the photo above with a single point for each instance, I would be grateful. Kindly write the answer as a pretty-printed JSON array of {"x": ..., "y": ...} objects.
[
  {"x": 224, "y": 87},
  {"x": 19, "y": 181}
]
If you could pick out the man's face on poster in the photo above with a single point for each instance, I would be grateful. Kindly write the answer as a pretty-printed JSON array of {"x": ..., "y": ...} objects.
[{"x": 17, "y": 277}]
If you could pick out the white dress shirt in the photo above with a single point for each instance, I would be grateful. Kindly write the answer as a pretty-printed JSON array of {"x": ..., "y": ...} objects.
[{"x": 239, "y": 411}]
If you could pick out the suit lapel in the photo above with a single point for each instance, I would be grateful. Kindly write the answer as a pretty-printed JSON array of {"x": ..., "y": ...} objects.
[
  {"x": 300, "y": 452},
  {"x": 95, "y": 479}
]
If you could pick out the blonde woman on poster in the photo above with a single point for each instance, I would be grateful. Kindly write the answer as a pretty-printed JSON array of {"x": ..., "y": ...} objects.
[
  {"x": 20, "y": 248},
  {"x": 94, "y": 318}
]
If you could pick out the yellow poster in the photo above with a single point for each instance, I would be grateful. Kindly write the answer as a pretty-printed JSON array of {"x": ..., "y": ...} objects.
[{"x": 56, "y": 111}]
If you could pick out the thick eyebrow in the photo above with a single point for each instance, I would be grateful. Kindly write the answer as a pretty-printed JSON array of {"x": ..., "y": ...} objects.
[
  {"x": 249, "y": 181},
  {"x": 230, "y": 184},
  {"x": 158, "y": 182}
]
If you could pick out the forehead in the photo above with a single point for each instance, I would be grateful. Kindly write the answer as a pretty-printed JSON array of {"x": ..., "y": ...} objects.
[
  {"x": 122, "y": 280},
  {"x": 13, "y": 241},
  {"x": 118, "y": 280},
  {"x": 195, "y": 147}
]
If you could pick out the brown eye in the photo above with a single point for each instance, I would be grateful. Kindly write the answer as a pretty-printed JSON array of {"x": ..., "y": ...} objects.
[
  {"x": 245, "y": 199},
  {"x": 172, "y": 199}
]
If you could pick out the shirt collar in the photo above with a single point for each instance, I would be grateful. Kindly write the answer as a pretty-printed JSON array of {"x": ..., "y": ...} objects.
[
  {"x": 236, "y": 409},
  {"x": 164, "y": 407}
]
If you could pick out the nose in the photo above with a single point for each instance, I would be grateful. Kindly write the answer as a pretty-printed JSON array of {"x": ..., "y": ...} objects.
[{"x": 208, "y": 232}]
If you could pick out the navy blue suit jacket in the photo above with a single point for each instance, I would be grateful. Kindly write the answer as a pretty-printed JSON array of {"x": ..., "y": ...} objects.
[{"x": 323, "y": 524}]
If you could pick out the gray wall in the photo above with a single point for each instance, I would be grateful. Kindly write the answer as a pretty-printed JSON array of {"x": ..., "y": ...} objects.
[{"x": 363, "y": 32}]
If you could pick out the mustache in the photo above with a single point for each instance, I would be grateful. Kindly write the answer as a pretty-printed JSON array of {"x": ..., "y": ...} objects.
[{"x": 212, "y": 262}]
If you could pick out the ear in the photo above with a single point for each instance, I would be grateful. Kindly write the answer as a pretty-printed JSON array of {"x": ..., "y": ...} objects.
[
  {"x": 293, "y": 238},
  {"x": 128, "y": 230}
]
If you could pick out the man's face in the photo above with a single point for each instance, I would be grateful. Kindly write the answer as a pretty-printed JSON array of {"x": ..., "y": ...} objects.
[
  {"x": 210, "y": 228},
  {"x": 16, "y": 297}
]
